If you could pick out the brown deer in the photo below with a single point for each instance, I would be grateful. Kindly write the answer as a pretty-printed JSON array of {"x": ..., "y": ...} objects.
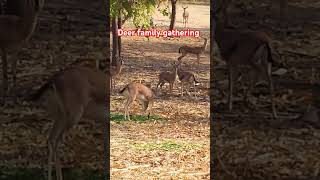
[
  {"x": 248, "y": 48},
  {"x": 223, "y": 6},
  {"x": 114, "y": 71},
  {"x": 185, "y": 16},
  {"x": 188, "y": 78},
  {"x": 17, "y": 25},
  {"x": 168, "y": 77},
  {"x": 75, "y": 93},
  {"x": 198, "y": 50},
  {"x": 138, "y": 91}
]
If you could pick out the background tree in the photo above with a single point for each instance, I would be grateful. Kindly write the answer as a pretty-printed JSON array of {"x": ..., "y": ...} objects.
[
  {"x": 173, "y": 14},
  {"x": 121, "y": 10}
]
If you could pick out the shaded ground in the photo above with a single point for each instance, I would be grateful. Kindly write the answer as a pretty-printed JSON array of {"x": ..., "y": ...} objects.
[
  {"x": 177, "y": 146},
  {"x": 249, "y": 143}
]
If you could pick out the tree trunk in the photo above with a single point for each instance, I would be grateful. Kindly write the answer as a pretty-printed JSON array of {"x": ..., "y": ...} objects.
[
  {"x": 173, "y": 14},
  {"x": 119, "y": 37},
  {"x": 115, "y": 46}
]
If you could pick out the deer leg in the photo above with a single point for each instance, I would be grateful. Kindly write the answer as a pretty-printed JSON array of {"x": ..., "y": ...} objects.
[
  {"x": 111, "y": 87},
  {"x": 230, "y": 76},
  {"x": 253, "y": 80},
  {"x": 14, "y": 73},
  {"x": 195, "y": 90},
  {"x": 181, "y": 89},
  {"x": 198, "y": 60},
  {"x": 126, "y": 108},
  {"x": 4, "y": 74},
  {"x": 274, "y": 113},
  {"x": 55, "y": 138},
  {"x": 150, "y": 108}
]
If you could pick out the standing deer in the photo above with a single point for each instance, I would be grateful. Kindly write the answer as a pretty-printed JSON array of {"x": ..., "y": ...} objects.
[
  {"x": 198, "y": 50},
  {"x": 138, "y": 91},
  {"x": 188, "y": 78},
  {"x": 249, "y": 48},
  {"x": 75, "y": 93},
  {"x": 114, "y": 71},
  {"x": 16, "y": 27},
  {"x": 168, "y": 77},
  {"x": 185, "y": 16}
]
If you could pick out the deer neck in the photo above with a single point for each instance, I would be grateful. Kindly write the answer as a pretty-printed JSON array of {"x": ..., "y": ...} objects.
[
  {"x": 118, "y": 67},
  {"x": 205, "y": 44}
]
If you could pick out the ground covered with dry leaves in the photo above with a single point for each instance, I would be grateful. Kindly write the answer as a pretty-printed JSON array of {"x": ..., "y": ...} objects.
[
  {"x": 251, "y": 145},
  {"x": 176, "y": 144}
]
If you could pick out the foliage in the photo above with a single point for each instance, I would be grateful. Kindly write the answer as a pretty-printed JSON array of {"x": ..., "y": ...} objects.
[{"x": 139, "y": 11}]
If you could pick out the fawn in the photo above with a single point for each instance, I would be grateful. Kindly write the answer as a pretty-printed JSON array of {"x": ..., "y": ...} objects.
[
  {"x": 75, "y": 93},
  {"x": 17, "y": 25},
  {"x": 138, "y": 91},
  {"x": 114, "y": 71},
  {"x": 198, "y": 50},
  {"x": 188, "y": 78},
  {"x": 169, "y": 77},
  {"x": 249, "y": 48},
  {"x": 185, "y": 16}
]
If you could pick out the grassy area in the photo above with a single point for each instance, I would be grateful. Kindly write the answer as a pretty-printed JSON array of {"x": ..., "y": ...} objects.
[
  {"x": 168, "y": 145},
  {"x": 40, "y": 174},
  {"x": 137, "y": 118}
]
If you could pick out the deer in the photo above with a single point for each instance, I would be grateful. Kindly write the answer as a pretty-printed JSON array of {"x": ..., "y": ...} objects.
[
  {"x": 72, "y": 94},
  {"x": 283, "y": 11},
  {"x": 248, "y": 48},
  {"x": 137, "y": 91},
  {"x": 188, "y": 78},
  {"x": 168, "y": 77},
  {"x": 198, "y": 50},
  {"x": 185, "y": 16},
  {"x": 17, "y": 26},
  {"x": 115, "y": 70}
]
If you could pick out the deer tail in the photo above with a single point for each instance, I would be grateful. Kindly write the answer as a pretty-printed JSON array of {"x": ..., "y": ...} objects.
[
  {"x": 122, "y": 91},
  {"x": 41, "y": 91}
]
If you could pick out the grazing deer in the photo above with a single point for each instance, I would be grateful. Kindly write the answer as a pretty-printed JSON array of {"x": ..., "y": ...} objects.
[
  {"x": 249, "y": 48},
  {"x": 198, "y": 50},
  {"x": 188, "y": 78},
  {"x": 16, "y": 27},
  {"x": 138, "y": 91},
  {"x": 185, "y": 16},
  {"x": 75, "y": 93},
  {"x": 114, "y": 71},
  {"x": 168, "y": 77}
]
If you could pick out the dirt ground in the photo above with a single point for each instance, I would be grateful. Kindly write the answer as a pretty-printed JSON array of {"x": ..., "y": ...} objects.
[{"x": 177, "y": 146}]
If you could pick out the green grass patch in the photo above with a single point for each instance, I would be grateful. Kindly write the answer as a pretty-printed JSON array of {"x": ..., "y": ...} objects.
[
  {"x": 7, "y": 173},
  {"x": 137, "y": 118},
  {"x": 168, "y": 145}
]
